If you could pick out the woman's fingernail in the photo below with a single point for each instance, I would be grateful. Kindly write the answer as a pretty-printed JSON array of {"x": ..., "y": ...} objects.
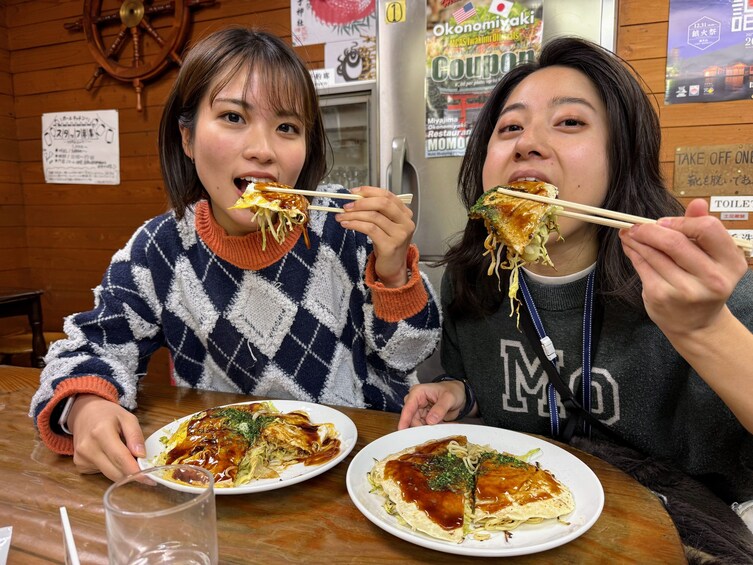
[{"x": 348, "y": 206}]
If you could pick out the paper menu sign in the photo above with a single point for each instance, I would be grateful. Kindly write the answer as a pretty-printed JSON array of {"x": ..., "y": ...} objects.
[{"x": 81, "y": 147}]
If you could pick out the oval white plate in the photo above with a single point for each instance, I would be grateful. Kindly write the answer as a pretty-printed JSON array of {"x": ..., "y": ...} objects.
[
  {"x": 528, "y": 538},
  {"x": 317, "y": 413}
]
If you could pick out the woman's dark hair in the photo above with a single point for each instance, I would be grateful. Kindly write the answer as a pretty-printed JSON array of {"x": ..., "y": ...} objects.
[
  {"x": 635, "y": 183},
  {"x": 220, "y": 56}
]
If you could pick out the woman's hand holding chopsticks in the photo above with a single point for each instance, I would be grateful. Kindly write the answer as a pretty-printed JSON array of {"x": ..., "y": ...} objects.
[
  {"x": 387, "y": 220},
  {"x": 377, "y": 213},
  {"x": 689, "y": 266}
]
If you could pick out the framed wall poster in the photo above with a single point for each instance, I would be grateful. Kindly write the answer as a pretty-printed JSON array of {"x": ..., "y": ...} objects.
[
  {"x": 325, "y": 21},
  {"x": 709, "y": 51},
  {"x": 470, "y": 45}
]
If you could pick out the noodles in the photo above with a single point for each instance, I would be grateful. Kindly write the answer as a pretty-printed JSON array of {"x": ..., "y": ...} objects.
[
  {"x": 245, "y": 442},
  {"x": 517, "y": 228},
  {"x": 469, "y": 453},
  {"x": 275, "y": 213}
]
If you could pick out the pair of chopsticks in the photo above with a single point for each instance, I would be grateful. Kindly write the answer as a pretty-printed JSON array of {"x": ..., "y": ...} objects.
[
  {"x": 406, "y": 198},
  {"x": 71, "y": 554},
  {"x": 600, "y": 216}
]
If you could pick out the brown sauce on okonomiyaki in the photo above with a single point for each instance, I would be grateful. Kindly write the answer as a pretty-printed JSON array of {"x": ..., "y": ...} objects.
[
  {"x": 215, "y": 444},
  {"x": 499, "y": 485},
  {"x": 443, "y": 507}
]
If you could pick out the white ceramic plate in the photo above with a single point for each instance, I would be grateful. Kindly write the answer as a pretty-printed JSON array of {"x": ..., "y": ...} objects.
[
  {"x": 317, "y": 413},
  {"x": 528, "y": 538}
]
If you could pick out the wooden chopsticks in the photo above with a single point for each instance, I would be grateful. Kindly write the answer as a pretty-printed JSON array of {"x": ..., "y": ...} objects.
[
  {"x": 326, "y": 209},
  {"x": 600, "y": 216},
  {"x": 406, "y": 198}
]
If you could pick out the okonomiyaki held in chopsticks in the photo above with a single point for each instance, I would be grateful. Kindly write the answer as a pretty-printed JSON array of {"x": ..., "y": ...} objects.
[
  {"x": 516, "y": 227},
  {"x": 276, "y": 213}
]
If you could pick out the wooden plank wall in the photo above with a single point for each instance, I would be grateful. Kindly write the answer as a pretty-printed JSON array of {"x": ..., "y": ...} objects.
[
  {"x": 73, "y": 230},
  {"x": 642, "y": 41},
  {"x": 14, "y": 262}
]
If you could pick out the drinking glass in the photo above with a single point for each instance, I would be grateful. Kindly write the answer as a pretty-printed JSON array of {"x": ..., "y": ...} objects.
[{"x": 151, "y": 519}]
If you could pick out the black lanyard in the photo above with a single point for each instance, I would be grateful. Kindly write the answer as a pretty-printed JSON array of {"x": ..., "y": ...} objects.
[{"x": 578, "y": 412}]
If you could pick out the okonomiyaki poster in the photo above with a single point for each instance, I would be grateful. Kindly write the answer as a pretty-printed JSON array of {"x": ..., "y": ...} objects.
[
  {"x": 709, "y": 51},
  {"x": 470, "y": 45}
]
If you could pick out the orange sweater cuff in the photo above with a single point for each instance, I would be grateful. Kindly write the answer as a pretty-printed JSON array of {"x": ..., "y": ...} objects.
[
  {"x": 63, "y": 443},
  {"x": 395, "y": 304}
]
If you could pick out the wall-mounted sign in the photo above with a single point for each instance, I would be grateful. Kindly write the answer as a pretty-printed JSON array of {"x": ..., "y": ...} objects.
[
  {"x": 347, "y": 28},
  {"x": 81, "y": 147},
  {"x": 714, "y": 169},
  {"x": 731, "y": 204},
  {"x": 742, "y": 234},
  {"x": 733, "y": 216},
  {"x": 322, "y": 77},
  {"x": 354, "y": 59}
]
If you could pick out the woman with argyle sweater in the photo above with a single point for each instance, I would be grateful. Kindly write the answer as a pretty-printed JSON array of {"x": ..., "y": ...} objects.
[{"x": 344, "y": 320}]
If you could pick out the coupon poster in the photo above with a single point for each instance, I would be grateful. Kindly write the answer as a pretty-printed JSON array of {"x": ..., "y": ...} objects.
[
  {"x": 470, "y": 45},
  {"x": 709, "y": 51}
]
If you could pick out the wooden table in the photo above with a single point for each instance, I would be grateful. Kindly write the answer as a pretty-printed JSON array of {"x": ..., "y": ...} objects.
[
  {"x": 311, "y": 522},
  {"x": 24, "y": 302}
]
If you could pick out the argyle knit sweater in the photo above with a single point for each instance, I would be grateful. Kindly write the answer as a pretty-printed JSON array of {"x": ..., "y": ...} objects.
[{"x": 312, "y": 324}]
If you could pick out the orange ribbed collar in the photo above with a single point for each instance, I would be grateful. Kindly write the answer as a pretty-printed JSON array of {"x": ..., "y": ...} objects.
[{"x": 243, "y": 251}]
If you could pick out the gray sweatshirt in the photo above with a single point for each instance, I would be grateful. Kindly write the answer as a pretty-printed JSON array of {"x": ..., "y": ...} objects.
[{"x": 641, "y": 386}]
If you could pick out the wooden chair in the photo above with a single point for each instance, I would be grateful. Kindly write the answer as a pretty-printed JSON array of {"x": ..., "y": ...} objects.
[
  {"x": 24, "y": 302},
  {"x": 16, "y": 344}
]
